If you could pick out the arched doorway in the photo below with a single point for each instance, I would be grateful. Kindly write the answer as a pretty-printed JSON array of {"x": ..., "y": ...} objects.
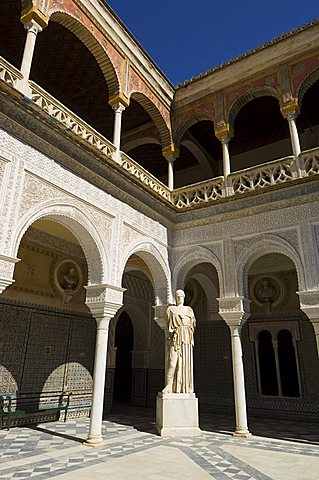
[
  {"x": 124, "y": 342},
  {"x": 47, "y": 331}
]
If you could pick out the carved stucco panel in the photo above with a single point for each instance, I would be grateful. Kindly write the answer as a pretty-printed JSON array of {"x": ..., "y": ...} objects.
[
  {"x": 36, "y": 192},
  {"x": 250, "y": 223},
  {"x": 291, "y": 236},
  {"x": 56, "y": 175}
]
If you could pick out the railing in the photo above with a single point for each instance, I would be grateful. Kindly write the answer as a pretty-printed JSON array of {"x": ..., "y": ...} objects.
[
  {"x": 265, "y": 175},
  {"x": 200, "y": 194},
  {"x": 68, "y": 119},
  {"x": 8, "y": 73},
  {"x": 310, "y": 162},
  {"x": 144, "y": 177}
]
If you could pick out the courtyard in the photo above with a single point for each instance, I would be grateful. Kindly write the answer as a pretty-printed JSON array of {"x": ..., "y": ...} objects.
[{"x": 279, "y": 450}]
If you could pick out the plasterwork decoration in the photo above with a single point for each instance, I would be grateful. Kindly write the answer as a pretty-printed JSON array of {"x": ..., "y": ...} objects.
[
  {"x": 235, "y": 99},
  {"x": 104, "y": 300},
  {"x": 39, "y": 196},
  {"x": 250, "y": 249},
  {"x": 185, "y": 117},
  {"x": 137, "y": 287},
  {"x": 301, "y": 70},
  {"x": 267, "y": 291},
  {"x": 10, "y": 203},
  {"x": 193, "y": 257},
  {"x": 104, "y": 46},
  {"x": 234, "y": 310},
  {"x": 155, "y": 259},
  {"x": 157, "y": 110},
  {"x": 285, "y": 83},
  {"x": 67, "y": 279}
]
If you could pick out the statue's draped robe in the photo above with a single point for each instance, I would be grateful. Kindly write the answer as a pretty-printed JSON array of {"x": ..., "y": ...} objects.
[{"x": 181, "y": 326}]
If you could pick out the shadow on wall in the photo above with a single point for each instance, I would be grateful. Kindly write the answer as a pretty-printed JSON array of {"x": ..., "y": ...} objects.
[{"x": 42, "y": 354}]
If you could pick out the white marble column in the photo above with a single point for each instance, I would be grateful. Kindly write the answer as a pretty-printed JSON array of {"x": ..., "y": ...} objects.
[
  {"x": 224, "y": 134},
  {"x": 235, "y": 311},
  {"x": 170, "y": 172},
  {"x": 226, "y": 158},
  {"x": 103, "y": 301},
  {"x": 118, "y": 110},
  {"x": 95, "y": 431},
  {"x": 33, "y": 28},
  {"x": 294, "y": 136},
  {"x": 290, "y": 112}
]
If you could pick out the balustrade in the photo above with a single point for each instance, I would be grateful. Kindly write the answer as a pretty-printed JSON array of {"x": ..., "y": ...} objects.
[{"x": 199, "y": 194}]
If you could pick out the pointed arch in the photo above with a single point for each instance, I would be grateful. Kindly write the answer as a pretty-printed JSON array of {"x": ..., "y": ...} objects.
[
  {"x": 190, "y": 259},
  {"x": 247, "y": 97},
  {"x": 268, "y": 244},
  {"x": 156, "y": 116},
  {"x": 81, "y": 226},
  {"x": 112, "y": 77}
]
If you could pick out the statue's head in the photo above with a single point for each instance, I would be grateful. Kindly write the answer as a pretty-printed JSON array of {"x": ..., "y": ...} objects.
[{"x": 179, "y": 297}]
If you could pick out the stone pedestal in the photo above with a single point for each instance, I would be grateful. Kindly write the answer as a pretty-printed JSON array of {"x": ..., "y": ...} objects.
[{"x": 177, "y": 415}]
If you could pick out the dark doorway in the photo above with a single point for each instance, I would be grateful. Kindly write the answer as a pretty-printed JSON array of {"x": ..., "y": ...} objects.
[
  {"x": 288, "y": 365},
  {"x": 267, "y": 364},
  {"x": 124, "y": 341}
]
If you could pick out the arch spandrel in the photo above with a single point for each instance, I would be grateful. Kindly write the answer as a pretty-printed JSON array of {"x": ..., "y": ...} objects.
[
  {"x": 306, "y": 84},
  {"x": 182, "y": 125},
  {"x": 303, "y": 74},
  {"x": 81, "y": 226},
  {"x": 112, "y": 64},
  {"x": 157, "y": 265},
  {"x": 239, "y": 101},
  {"x": 160, "y": 113},
  {"x": 268, "y": 244},
  {"x": 190, "y": 259}
]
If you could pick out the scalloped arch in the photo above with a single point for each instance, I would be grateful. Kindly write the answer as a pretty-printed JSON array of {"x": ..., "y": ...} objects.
[
  {"x": 190, "y": 259},
  {"x": 157, "y": 266},
  {"x": 306, "y": 84},
  {"x": 75, "y": 26},
  {"x": 264, "y": 246},
  {"x": 156, "y": 116},
  {"x": 80, "y": 225},
  {"x": 247, "y": 97}
]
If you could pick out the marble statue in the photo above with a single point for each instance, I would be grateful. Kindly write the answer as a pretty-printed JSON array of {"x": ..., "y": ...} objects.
[{"x": 180, "y": 321}]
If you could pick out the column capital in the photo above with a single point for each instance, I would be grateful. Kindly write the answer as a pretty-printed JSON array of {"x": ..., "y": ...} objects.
[
  {"x": 224, "y": 132},
  {"x": 104, "y": 300},
  {"x": 234, "y": 310},
  {"x": 290, "y": 109},
  {"x": 309, "y": 304},
  {"x": 119, "y": 101},
  {"x": 171, "y": 152},
  {"x": 7, "y": 265},
  {"x": 32, "y": 13}
]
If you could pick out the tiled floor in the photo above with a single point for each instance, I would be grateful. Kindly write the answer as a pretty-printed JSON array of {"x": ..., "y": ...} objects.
[{"x": 279, "y": 450}]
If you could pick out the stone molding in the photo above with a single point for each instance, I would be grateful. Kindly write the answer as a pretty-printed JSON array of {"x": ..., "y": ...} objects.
[
  {"x": 234, "y": 310},
  {"x": 104, "y": 300}
]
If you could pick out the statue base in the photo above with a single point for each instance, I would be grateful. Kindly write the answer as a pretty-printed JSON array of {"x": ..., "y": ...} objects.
[{"x": 177, "y": 415}]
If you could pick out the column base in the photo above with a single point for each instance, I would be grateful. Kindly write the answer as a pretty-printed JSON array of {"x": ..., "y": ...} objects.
[
  {"x": 242, "y": 434},
  {"x": 93, "y": 441},
  {"x": 177, "y": 415}
]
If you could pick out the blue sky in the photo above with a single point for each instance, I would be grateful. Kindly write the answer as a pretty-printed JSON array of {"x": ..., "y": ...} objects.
[{"x": 188, "y": 37}]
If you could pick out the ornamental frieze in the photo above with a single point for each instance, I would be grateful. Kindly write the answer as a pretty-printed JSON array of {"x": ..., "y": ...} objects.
[{"x": 301, "y": 70}]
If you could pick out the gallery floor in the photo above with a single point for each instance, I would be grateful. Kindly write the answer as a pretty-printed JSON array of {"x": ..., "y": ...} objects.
[{"x": 278, "y": 450}]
